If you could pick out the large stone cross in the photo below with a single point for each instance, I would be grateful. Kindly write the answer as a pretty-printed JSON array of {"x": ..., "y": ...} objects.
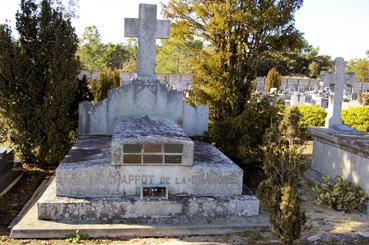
[
  {"x": 147, "y": 29},
  {"x": 337, "y": 81}
]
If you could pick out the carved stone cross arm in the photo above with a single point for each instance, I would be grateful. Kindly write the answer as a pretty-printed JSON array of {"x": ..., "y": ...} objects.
[
  {"x": 131, "y": 28},
  {"x": 147, "y": 29}
]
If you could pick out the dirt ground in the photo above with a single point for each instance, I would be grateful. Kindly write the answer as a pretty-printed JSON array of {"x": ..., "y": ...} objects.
[{"x": 321, "y": 221}]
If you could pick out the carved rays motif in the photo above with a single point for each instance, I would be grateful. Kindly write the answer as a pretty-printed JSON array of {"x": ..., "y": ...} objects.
[{"x": 145, "y": 99}]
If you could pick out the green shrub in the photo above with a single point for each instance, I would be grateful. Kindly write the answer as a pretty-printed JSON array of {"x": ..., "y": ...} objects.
[
  {"x": 279, "y": 193},
  {"x": 77, "y": 237},
  {"x": 108, "y": 79},
  {"x": 38, "y": 85},
  {"x": 310, "y": 116},
  {"x": 356, "y": 117},
  {"x": 241, "y": 137},
  {"x": 342, "y": 195}
]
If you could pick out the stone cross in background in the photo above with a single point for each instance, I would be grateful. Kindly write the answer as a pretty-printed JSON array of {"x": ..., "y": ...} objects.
[
  {"x": 337, "y": 81},
  {"x": 147, "y": 29}
]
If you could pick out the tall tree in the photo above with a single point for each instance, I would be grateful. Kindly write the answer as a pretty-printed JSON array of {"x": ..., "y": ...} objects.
[
  {"x": 130, "y": 65},
  {"x": 177, "y": 53},
  {"x": 361, "y": 69},
  {"x": 115, "y": 55},
  {"x": 38, "y": 82},
  {"x": 239, "y": 32},
  {"x": 91, "y": 51}
]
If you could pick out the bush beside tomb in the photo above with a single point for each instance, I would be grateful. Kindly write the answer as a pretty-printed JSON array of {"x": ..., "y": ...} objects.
[
  {"x": 310, "y": 116},
  {"x": 38, "y": 85},
  {"x": 241, "y": 137},
  {"x": 356, "y": 117},
  {"x": 279, "y": 193},
  {"x": 342, "y": 195},
  {"x": 108, "y": 79}
]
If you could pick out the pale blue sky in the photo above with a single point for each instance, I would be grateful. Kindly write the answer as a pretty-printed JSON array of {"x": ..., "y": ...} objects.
[{"x": 337, "y": 27}]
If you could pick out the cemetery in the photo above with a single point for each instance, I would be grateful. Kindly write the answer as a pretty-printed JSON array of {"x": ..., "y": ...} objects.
[{"x": 229, "y": 146}]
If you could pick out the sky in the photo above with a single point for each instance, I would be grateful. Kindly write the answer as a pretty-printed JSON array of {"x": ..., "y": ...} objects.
[{"x": 337, "y": 27}]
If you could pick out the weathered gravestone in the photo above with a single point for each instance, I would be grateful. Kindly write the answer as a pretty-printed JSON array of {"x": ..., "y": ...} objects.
[
  {"x": 145, "y": 94},
  {"x": 134, "y": 158},
  {"x": 339, "y": 149}
]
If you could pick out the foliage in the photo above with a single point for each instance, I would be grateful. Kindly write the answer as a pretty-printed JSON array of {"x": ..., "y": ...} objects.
[
  {"x": 77, "y": 237},
  {"x": 239, "y": 33},
  {"x": 130, "y": 64},
  {"x": 38, "y": 83},
  {"x": 342, "y": 195},
  {"x": 95, "y": 55},
  {"x": 246, "y": 131},
  {"x": 356, "y": 117},
  {"x": 108, "y": 79},
  {"x": 361, "y": 69},
  {"x": 177, "y": 53},
  {"x": 91, "y": 49},
  {"x": 279, "y": 193},
  {"x": 115, "y": 55},
  {"x": 3, "y": 131},
  {"x": 273, "y": 80},
  {"x": 363, "y": 98},
  {"x": 310, "y": 116},
  {"x": 303, "y": 60}
]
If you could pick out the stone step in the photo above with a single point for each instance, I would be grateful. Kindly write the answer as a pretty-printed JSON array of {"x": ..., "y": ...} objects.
[
  {"x": 118, "y": 209},
  {"x": 28, "y": 226}
]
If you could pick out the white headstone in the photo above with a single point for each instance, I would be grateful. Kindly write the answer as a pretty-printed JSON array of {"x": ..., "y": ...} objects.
[
  {"x": 147, "y": 29},
  {"x": 336, "y": 81}
]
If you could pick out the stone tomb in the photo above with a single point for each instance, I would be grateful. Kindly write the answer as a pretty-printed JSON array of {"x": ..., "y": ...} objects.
[
  {"x": 339, "y": 149},
  {"x": 134, "y": 159},
  {"x": 148, "y": 168}
]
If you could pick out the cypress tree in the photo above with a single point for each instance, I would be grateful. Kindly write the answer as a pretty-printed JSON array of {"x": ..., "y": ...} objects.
[
  {"x": 273, "y": 80},
  {"x": 38, "y": 82}
]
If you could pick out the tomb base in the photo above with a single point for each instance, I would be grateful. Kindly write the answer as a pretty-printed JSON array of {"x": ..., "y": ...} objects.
[{"x": 124, "y": 209}]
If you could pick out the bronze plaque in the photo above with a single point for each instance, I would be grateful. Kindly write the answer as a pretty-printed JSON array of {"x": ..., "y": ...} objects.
[
  {"x": 132, "y": 159},
  {"x": 152, "y": 148},
  {"x": 176, "y": 159},
  {"x": 153, "y": 158},
  {"x": 132, "y": 148},
  {"x": 173, "y": 148}
]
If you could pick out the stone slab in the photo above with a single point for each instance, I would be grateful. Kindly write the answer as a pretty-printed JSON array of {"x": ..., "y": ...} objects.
[
  {"x": 30, "y": 227},
  {"x": 118, "y": 209},
  {"x": 86, "y": 171}
]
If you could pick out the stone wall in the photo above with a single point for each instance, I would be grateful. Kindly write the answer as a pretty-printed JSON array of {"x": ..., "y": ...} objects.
[
  {"x": 339, "y": 153},
  {"x": 135, "y": 99}
]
